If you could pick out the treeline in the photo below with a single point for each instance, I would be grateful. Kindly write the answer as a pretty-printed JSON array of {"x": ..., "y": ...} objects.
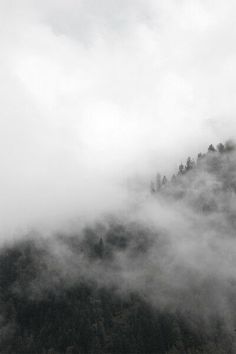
[
  {"x": 84, "y": 318},
  {"x": 66, "y": 295},
  {"x": 191, "y": 164}
]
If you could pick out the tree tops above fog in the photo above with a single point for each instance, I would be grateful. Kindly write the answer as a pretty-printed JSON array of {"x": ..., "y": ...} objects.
[{"x": 212, "y": 155}]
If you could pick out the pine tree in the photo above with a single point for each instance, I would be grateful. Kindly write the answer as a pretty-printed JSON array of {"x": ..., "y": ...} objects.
[
  {"x": 221, "y": 148},
  {"x": 164, "y": 181},
  {"x": 190, "y": 164},
  {"x": 211, "y": 148},
  {"x": 181, "y": 169}
]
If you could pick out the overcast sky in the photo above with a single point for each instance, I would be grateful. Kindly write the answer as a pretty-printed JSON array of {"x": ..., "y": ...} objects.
[{"x": 95, "y": 92}]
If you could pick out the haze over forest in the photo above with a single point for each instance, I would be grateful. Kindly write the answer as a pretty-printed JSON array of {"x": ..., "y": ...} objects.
[
  {"x": 118, "y": 177},
  {"x": 160, "y": 279}
]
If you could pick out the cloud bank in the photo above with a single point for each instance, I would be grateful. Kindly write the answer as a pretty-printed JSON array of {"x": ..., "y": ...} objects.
[
  {"x": 176, "y": 250},
  {"x": 95, "y": 93}
]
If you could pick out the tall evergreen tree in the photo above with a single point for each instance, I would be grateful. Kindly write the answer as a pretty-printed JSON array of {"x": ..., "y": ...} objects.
[
  {"x": 221, "y": 148},
  {"x": 211, "y": 148},
  {"x": 181, "y": 169},
  {"x": 189, "y": 164},
  {"x": 164, "y": 181}
]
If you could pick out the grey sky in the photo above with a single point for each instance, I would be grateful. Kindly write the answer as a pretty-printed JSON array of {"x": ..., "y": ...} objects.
[{"x": 94, "y": 92}]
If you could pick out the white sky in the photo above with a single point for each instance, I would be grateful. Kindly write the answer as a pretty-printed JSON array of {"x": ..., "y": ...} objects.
[{"x": 94, "y": 92}]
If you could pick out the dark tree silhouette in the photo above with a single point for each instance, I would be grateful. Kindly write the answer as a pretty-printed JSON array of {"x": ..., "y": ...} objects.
[
  {"x": 181, "y": 169},
  {"x": 164, "y": 181},
  {"x": 200, "y": 156},
  {"x": 211, "y": 148},
  {"x": 213, "y": 163},
  {"x": 190, "y": 164},
  {"x": 221, "y": 148}
]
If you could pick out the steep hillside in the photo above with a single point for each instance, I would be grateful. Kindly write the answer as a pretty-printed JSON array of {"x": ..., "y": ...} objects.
[{"x": 162, "y": 281}]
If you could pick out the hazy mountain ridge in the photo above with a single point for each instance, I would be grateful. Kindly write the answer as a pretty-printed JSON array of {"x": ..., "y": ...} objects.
[{"x": 166, "y": 285}]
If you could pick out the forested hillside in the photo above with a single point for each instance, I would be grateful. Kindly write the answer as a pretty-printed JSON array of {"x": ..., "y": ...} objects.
[{"x": 125, "y": 286}]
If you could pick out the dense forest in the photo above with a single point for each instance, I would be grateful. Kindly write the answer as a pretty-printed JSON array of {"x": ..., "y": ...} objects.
[
  {"x": 126, "y": 286},
  {"x": 215, "y": 156}
]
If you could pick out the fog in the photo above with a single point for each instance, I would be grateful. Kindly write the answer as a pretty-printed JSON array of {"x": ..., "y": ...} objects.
[
  {"x": 96, "y": 99},
  {"x": 176, "y": 250},
  {"x": 95, "y": 95}
]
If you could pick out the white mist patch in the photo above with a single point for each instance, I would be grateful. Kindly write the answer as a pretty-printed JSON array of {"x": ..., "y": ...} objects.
[{"x": 93, "y": 95}]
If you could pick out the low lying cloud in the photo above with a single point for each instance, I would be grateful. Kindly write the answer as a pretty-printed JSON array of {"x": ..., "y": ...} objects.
[
  {"x": 175, "y": 249},
  {"x": 94, "y": 94}
]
